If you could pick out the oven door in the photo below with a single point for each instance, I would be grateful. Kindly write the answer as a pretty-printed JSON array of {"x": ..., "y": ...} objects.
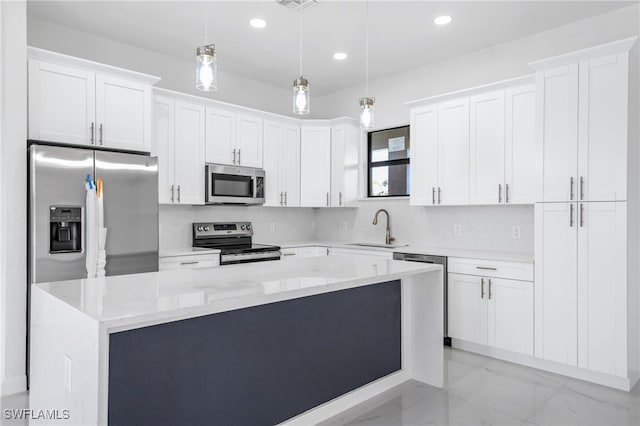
[{"x": 233, "y": 185}]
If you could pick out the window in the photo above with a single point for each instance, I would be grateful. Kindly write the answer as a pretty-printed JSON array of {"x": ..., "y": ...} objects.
[{"x": 388, "y": 168}]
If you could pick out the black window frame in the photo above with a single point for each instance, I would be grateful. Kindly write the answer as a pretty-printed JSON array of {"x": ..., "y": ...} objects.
[{"x": 370, "y": 164}]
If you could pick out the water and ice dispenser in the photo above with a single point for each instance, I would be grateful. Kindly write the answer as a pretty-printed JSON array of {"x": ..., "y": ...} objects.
[{"x": 65, "y": 229}]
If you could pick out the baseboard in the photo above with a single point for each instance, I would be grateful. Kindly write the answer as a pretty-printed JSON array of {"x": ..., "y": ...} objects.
[
  {"x": 12, "y": 385},
  {"x": 622, "y": 383}
]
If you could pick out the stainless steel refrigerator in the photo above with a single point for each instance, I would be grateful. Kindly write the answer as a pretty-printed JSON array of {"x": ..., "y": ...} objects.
[{"x": 57, "y": 219}]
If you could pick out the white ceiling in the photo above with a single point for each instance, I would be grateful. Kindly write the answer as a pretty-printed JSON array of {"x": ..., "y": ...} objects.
[{"x": 402, "y": 33}]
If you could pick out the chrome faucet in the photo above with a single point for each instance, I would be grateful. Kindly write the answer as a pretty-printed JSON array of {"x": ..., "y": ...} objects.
[{"x": 388, "y": 238}]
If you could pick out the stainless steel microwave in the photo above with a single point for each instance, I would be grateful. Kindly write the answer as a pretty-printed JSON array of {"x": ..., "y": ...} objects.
[{"x": 234, "y": 185}]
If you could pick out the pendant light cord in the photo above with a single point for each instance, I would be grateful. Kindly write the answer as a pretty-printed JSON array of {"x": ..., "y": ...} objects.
[
  {"x": 366, "y": 51},
  {"x": 206, "y": 25},
  {"x": 300, "y": 34}
]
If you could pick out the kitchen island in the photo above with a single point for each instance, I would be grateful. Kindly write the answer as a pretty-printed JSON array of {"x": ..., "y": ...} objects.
[{"x": 263, "y": 343}]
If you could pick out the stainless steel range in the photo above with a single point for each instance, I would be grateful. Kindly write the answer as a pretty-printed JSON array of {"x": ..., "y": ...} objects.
[{"x": 233, "y": 239}]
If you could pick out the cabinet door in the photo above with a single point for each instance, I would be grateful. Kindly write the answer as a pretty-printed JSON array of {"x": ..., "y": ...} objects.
[
  {"x": 315, "y": 166},
  {"x": 424, "y": 156},
  {"x": 249, "y": 140},
  {"x": 271, "y": 163},
  {"x": 602, "y": 287},
  {"x": 510, "y": 312},
  {"x": 344, "y": 165},
  {"x": 467, "y": 310},
  {"x": 189, "y": 153},
  {"x": 556, "y": 282},
  {"x": 163, "y": 146},
  {"x": 557, "y": 92},
  {"x": 453, "y": 150},
  {"x": 220, "y": 136},
  {"x": 487, "y": 148},
  {"x": 123, "y": 113},
  {"x": 61, "y": 103},
  {"x": 520, "y": 169},
  {"x": 602, "y": 133},
  {"x": 290, "y": 164}
]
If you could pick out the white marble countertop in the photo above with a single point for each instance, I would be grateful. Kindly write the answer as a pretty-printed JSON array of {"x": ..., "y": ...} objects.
[
  {"x": 132, "y": 301},
  {"x": 505, "y": 256},
  {"x": 186, "y": 251}
]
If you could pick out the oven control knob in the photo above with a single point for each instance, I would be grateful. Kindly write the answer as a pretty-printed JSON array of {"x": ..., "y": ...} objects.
[
  {"x": 199, "y": 228},
  {"x": 248, "y": 227},
  {"x": 206, "y": 229},
  {"x": 243, "y": 227}
]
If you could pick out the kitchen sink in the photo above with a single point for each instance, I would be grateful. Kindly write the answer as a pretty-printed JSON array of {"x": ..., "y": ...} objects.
[{"x": 377, "y": 245}]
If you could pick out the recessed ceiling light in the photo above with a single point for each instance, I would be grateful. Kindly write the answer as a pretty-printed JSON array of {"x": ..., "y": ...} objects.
[
  {"x": 258, "y": 23},
  {"x": 442, "y": 20},
  {"x": 340, "y": 56}
]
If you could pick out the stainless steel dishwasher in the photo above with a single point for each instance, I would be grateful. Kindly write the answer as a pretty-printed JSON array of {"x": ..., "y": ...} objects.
[{"x": 438, "y": 260}]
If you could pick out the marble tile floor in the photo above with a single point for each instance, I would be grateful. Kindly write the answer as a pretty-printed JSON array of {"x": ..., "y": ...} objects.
[
  {"x": 484, "y": 391},
  {"x": 478, "y": 391}
]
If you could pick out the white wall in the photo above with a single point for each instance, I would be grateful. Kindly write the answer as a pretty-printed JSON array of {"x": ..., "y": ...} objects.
[
  {"x": 176, "y": 74},
  {"x": 13, "y": 184},
  {"x": 291, "y": 224}
]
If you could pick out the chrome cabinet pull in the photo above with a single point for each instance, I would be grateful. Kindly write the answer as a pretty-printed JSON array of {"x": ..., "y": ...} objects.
[
  {"x": 285, "y": 198},
  {"x": 581, "y": 215},
  {"x": 172, "y": 193},
  {"x": 499, "y": 193},
  {"x": 486, "y": 268},
  {"x": 288, "y": 254},
  {"x": 481, "y": 288},
  {"x": 239, "y": 162},
  {"x": 178, "y": 193},
  {"x": 327, "y": 199},
  {"x": 100, "y": 130},
  {"x": 190, "y": 263},
  {"x": 571, "y": 188},
  {"x": 92, "y": 133},
  {"x": 489, "y": 288},
  {"x": 506, "y": 193},
  {"x": 234, "y": 156},
  {"x": 438, "y": 195},
  {"x": 570, "y": 215},
  {"x": 340, "y": 198},
  {"x": 433, "y": 195},
  {"x": 581, "y": 188},
  {"x": 280, "y": 198}
]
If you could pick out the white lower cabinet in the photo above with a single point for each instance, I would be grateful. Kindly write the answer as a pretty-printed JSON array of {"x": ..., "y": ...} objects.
[
  {"x": 581, "y": 285},
  {"x": 488, "y": 310},
  {"x": 194, "y": 261},
  {"x": 304, "y": 251}
]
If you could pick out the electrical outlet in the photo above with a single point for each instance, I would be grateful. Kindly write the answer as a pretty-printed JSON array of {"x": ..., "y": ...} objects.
[
  {"x": 272, "y": 227},
  {"x": 345, "y": 226},
  {"x": 67, "y": 372},
  {"x": 457, "y": 230},
  {"x": 516, "y": 232}
]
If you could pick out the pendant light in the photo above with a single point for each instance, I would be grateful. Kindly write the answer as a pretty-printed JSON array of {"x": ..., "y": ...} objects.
[
  {"x": 300, "y": 84},
  {"x": 206, "y": 64},
  {"x": 366, "y": 103}
]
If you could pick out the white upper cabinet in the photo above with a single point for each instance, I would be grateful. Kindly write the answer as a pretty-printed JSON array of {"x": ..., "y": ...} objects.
[
  {"x": 178, "y": 141},
  {"x": 345, "y": 141},
  {"x": 520, "y": 165},
  {"x": 249, "y": 140},
  {"x": 315, "y": 166},
  {"x": 221, "y": 136},
  {"x": 61, "y": 103},
  {"x": 602, "y": 128},
  {"x": 424, "y": 155},
  {"x": 163, "y": 146},
  {"x": 281, "y": 162},
  {"x": 558, "y": 111},
  {"x": 81, "y": 102},
  {"x": 487, "y": 148},
  {"x": 453, "y": 151},
  {"x": 234, "y": 139},
  {"x": 123, "y": 113}
]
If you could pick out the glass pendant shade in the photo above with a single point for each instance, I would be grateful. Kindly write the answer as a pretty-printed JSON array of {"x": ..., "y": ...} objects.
[
  {"x": 300, "y": 96},
  {"x": 367, "y": 112},
  {"x": 206, "y": 68}
]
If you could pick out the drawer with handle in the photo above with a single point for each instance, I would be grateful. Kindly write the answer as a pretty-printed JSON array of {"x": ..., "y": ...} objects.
[
  {"x": 491, "y": 268},
  {"x": 189, "y": 261}
]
